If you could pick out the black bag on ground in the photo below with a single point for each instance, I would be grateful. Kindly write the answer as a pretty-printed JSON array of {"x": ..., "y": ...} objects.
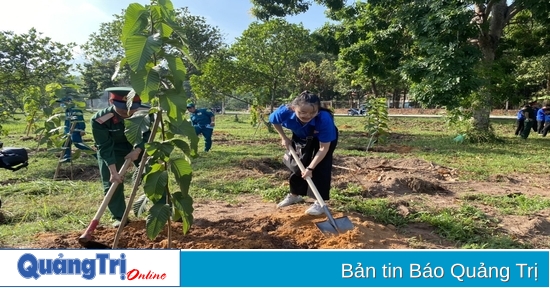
[{"x": 14, "y": 158}]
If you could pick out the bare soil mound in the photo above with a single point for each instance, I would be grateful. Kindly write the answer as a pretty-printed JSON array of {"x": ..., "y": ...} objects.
[{"x": 241, "y": 227}]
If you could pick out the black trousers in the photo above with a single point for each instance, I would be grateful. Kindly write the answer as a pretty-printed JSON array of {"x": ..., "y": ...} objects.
[
  {"x": 519, "y": 126},
  {"x": 540, "y": 126},
  {"x": 322, "y": 175},
  {"x": 534, "y": 127}
]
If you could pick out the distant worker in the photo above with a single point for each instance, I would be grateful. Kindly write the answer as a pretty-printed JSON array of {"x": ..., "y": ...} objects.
[
  {"x": 75, "y": 128},
  {"x": 533, "y": 116},
  {"x": 540, "y": 119},
  {"x": 204, "y": 122},
  {"x": 520, "y": 122},
  {"x": 528, "y": 113}
]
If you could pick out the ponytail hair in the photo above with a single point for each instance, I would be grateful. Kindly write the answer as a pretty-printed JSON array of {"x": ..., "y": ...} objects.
[{"x": 306, "y": 97}]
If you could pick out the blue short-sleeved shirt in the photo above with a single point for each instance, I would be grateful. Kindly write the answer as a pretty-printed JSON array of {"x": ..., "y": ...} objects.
[
  {"x": 540, "y": 115},
  {"x": 201, "y": 117},
  {"x": 546, "y": 117},
  {"x": 324, "y": 130},
  {"x": 520, "y": 115}
]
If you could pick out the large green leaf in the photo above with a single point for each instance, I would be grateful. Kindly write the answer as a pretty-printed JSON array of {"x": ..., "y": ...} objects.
[
  {"x": 145, "y": 82},
  {"x": 183, "y": 205},
  {"x": 181, "y": 168},
  {"x": 140, "y": 49},
  {"x": 159, "y": 151},
  {"x": 176, "y": 66},
  {"x": 184, "y": 147},
  {"x": 185, "y": 128},
  {"x": 135, "y": 126},
  {"x": 157, "y": 219},
  {"x": 135, "y": 20},
  {"x": 155, "y": 184},
  {"x": 167, "y": 9},
  {"x": 160, "y": 26},
  {"x": 174, "y": 103}
]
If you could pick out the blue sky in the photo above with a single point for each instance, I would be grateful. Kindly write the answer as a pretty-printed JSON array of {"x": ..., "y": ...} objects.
[{"x": 74, "y": 20}]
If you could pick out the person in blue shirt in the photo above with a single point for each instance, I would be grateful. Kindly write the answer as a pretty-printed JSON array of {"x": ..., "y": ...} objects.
[
  {"x": 305, "y": 117},
  {"x": 520, "y": 122},
  {"x": 540, "y": 119},
  {"x": 204, "y": 122},
  {"x": 73, "y": 115}
]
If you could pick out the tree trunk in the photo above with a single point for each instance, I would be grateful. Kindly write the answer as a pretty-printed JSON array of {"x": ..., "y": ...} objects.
[
  {"x": 396, "y": 99},
  {"x": 374, "y": 88},
  {"x": 488, "y": 44}
]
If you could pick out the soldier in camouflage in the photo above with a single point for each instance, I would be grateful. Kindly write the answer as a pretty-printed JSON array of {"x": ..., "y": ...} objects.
[{"x": 114, "y": 148}]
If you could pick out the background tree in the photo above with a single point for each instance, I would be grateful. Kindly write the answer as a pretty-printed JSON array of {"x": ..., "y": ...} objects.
[
  {"x": 270, "y": 52},
  {"x": 96, "y": 76},
  {"x": 455, "y": 51},
  {"x": 29, "y": 59},
  {"x": 105, "y": 46},
  {"x": 267, "y": 9}
]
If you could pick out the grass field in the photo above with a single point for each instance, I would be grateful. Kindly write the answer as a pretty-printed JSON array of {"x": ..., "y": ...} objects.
[{"x": 432, "y": 191}]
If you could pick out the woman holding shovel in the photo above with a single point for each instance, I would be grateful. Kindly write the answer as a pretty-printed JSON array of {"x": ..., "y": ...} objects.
[
  {"x": 113, "y": 147},
  {"x": 314, "y": 136}
]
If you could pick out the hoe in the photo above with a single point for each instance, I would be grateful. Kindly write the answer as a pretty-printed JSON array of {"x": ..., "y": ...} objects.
[{"x": 86, "y": 238}]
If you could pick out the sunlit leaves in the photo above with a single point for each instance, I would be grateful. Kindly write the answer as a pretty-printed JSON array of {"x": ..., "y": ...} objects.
[
  {"x": 135, "y": 20},
  {"x": 146, "y": 82},
  {"x": 140, "y": 49}
]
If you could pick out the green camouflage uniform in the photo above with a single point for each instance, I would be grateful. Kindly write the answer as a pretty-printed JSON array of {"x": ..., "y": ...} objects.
[{"x": 112, "y": 146}]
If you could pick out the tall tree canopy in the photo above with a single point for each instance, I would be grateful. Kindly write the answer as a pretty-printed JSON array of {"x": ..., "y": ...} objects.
[
  {"x": 29, "y": 59},
  {"x": 456, "y": 45},
  {"x": 263, "y": 62},
  {"x": 203, "y": 39}
]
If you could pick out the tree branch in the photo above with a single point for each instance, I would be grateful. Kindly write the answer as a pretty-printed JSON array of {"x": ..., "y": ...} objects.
[{"x": 513, "y": 9}]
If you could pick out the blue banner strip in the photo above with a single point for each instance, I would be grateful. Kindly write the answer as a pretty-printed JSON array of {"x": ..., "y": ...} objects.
[{"x": 364, "y": 268}]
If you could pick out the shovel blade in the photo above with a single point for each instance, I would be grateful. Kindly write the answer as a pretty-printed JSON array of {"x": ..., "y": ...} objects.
[
  {"x": 343, "y": 224},
  {"x": 90, "y": 244}
]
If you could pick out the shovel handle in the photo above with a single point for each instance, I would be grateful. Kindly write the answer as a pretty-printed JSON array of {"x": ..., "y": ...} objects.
[
  {"x": 95, "y": 221},
  {"x": 313, "y": 188},
  {"x": 308, "y": 179}
]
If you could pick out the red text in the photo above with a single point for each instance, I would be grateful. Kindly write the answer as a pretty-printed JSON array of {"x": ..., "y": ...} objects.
[{"x": 134, "y": 274}]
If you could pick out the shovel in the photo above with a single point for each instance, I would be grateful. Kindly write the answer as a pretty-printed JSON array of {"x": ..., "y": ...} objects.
[
  {"x": 331, "y": 226},
  {"x": 86, "y": 238}
]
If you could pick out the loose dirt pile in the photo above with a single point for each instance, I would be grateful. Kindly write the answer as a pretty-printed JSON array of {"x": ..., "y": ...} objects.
[{"x": 283, "y": 229}]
